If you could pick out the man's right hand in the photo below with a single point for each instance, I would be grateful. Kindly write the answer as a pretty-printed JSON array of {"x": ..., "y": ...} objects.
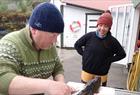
[{"x": 55, "y": 88}]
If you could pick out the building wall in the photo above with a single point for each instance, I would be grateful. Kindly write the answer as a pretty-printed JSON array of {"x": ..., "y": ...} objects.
[{"x": 72, "y": 16}]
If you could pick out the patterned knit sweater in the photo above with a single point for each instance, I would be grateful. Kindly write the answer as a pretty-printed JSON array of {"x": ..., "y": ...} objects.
[{"x": 18, "y": 56}]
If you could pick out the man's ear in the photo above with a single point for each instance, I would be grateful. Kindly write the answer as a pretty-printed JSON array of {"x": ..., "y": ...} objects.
[{"x": 33, "y": 31}]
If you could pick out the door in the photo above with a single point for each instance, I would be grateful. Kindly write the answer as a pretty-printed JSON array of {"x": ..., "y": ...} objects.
[
  {"x": 91, "y": 21},
  {"x": 123, "y": 18}
]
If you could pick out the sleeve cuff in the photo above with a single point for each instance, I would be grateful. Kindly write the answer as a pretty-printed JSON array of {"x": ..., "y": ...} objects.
[{"x": 5, "y": 82}]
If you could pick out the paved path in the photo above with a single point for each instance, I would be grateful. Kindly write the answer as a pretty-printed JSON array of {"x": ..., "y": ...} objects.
[{"x": 72, "y": 65}]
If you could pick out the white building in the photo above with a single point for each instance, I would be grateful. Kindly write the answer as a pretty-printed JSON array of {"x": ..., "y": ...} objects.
[{"x": 80, "y": 17}]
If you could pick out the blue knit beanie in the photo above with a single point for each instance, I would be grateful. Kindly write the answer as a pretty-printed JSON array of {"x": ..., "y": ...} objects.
[{"x": 46, "y": 17}]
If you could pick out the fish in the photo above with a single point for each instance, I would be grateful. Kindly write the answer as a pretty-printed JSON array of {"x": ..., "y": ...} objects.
[{"x": 91, "y": 87}]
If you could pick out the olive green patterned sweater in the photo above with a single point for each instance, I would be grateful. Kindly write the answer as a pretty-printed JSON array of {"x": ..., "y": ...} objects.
[{"x": 18, "y": 56}]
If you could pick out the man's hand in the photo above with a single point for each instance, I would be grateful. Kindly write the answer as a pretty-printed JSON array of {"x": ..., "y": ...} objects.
[{"x": 60, "y": 88}]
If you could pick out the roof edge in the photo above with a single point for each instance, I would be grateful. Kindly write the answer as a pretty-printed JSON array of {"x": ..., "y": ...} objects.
[{"x": 83, "y": 7}]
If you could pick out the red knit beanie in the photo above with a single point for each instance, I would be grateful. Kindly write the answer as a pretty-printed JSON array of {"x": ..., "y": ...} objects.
[{"x": 105, "y": 18}]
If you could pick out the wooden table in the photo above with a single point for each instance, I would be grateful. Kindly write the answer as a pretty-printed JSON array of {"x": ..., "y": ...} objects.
[{"x": 103, "y": 90}]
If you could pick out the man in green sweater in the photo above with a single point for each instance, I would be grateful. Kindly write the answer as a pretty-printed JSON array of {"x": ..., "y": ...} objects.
[{"x": 28, "y": 57}]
